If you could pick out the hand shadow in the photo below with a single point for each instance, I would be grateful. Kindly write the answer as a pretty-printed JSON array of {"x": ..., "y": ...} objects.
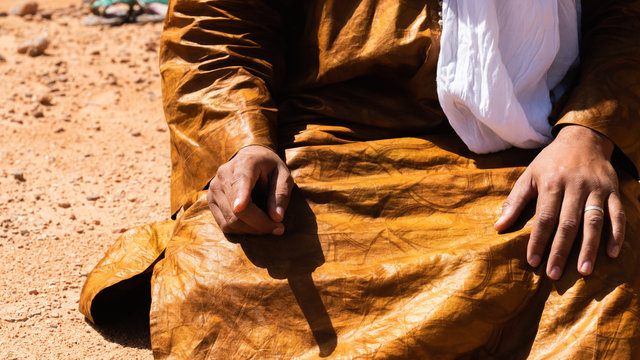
[{"x": 294, "y": 256}]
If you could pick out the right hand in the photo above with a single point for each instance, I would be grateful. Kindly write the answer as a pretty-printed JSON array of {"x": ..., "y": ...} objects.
[{"x": 229, "y": 195}]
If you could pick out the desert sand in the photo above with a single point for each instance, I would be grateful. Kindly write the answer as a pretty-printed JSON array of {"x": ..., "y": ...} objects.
[{"x": 84, "y": 155}]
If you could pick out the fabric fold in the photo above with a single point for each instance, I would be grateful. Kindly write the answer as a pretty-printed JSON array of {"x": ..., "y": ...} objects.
[{"x": 499, "y": 62}]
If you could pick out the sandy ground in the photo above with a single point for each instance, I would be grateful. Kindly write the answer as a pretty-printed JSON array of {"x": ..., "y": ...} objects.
[{"x": 83, "y": 123}]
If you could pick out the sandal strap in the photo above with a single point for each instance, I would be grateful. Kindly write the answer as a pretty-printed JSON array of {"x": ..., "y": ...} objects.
[{"x": 147, "y": 2}]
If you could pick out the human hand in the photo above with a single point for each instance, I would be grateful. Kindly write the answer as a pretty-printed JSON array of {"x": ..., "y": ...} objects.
[
  {"x": 229, "y": 195},
  {"x": 569, "y": 175}
]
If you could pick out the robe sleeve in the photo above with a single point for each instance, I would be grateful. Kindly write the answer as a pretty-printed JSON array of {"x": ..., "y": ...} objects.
[
  {"x": 221, "y": 64},
  {"x": 607, "y": 96}
]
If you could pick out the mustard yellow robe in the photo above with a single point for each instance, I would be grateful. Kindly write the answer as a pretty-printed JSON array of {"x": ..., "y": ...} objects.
[{"x": 390, "y": 250}]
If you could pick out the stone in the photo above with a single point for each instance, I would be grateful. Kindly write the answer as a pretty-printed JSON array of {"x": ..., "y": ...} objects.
[
  {"x": 18, "y": 175},
  {"x": 27, "y": 7},
  {"x": 93, "y": 197},
  {"x": 34, "y": 47},
  {"x": 13, "y": 313},
  {"x": 33, "y": 292},
  {"x": 136, "y": 133},
  {"x": 64, "y": 204},
  {"x": 37, "y": 112},
  {"x": 44, "y": 99}
]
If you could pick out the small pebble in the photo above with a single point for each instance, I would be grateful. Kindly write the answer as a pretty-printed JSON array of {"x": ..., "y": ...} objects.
[
  {"x": 93, "y": 197},
  {"x": 44, "y": 99},
  {"x": 33, "y": 292},
  {"x": 136, "y": 133},
  {"x": 34, "y": 47},
  {"x": 64, "y": 205},
  {"x": 28, "y": 7},
  {"x": 18, "y": 175}
]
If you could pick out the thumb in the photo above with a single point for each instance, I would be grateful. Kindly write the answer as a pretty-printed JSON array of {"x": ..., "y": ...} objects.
[
  {"x": 522, "y": 193},
  {"x": 279, "y": 193},
  {"x": 241, "y": 191}
]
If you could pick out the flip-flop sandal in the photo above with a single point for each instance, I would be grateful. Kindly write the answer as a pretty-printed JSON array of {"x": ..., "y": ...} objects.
[
  {"x": 105, "y": 14},
  {"x": 93, "y": 20},
  {"x": 149, "y": 13},
  {"x": 101, "y": 7}
]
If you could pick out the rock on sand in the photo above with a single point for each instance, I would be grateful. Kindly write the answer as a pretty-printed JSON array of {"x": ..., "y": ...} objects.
[{"x": 27, "y": 7}]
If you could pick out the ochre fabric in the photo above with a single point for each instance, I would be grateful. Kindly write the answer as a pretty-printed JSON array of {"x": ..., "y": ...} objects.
[{"x": 389, "y": 250}]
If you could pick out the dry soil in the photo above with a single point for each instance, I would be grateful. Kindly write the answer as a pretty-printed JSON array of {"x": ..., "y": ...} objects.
[{"x": 84, "y": 155}]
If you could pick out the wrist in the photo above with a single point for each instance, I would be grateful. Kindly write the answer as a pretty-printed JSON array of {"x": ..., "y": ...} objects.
[{"x": 591, "y": 139}]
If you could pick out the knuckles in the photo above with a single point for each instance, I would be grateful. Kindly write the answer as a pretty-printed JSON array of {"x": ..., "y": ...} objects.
[
  {"x": 568, "y": 226},
  {"x": 546, "y": 218},
  {"x": 595, "y": 219}
]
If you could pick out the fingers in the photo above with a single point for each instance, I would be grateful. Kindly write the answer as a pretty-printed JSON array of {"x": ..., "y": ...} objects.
[
  {"x": 593, "y": 222},
  {"x": 230, "y": 203},
  {"x": 259, "y": 221},
  {"x": 279, "y": 193},
  {"x": 566, "y": 231},
  {"x": 618, "y": 222},
  {"x": 241, "y": 184},
  {"x": 250, "y": 220},
  {"x": 522, "y": 193},
  {"x": 547, "y": 210}
]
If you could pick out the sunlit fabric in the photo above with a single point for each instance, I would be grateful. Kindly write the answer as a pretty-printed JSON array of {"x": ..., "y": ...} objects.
[{"x": 389, "y": 250}]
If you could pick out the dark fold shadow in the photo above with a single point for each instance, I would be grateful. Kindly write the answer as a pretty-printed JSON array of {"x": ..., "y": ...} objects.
[{"x": 121, "y": 312}]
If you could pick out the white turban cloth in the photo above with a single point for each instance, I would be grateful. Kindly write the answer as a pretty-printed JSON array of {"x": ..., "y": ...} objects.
[{"x": 500, "y": 62}]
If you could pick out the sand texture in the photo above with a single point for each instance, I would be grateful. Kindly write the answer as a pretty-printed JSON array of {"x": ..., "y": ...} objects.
[{"x": 84, "y": 155}]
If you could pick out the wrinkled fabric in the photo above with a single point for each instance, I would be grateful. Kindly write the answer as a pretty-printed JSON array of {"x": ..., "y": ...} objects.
[
  {"x": 499, "y": 64},
  {"x": 389, "y": 250}
]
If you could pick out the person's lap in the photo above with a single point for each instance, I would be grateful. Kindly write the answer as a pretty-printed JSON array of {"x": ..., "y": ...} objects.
[{"x": 389, "y": 252}]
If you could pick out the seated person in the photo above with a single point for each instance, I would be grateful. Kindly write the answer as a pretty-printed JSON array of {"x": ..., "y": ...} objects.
[{"x": 338, "y": 168}]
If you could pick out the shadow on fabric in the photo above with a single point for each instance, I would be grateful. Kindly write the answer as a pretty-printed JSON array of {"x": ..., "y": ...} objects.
[{"x": 295, "y": 257}]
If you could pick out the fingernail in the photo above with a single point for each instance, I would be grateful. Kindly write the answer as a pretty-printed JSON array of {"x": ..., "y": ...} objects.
[
  {"x": 586, "y": 267},
  {"x": 555, "y": 273},
  {"x": 278, "y": 230},
  {"x": 534, "y": 260},
  {"x": 280, "y": 211},
  {"x": 615, "y": 249},
  {"x": 236, "y": 204}
]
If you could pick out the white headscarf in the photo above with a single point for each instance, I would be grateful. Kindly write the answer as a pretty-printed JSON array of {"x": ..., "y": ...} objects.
[{"x": 499, "y": 61}]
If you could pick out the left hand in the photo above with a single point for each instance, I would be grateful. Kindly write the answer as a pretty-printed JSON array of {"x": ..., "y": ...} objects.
[{"x": 570, "y": 174}]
